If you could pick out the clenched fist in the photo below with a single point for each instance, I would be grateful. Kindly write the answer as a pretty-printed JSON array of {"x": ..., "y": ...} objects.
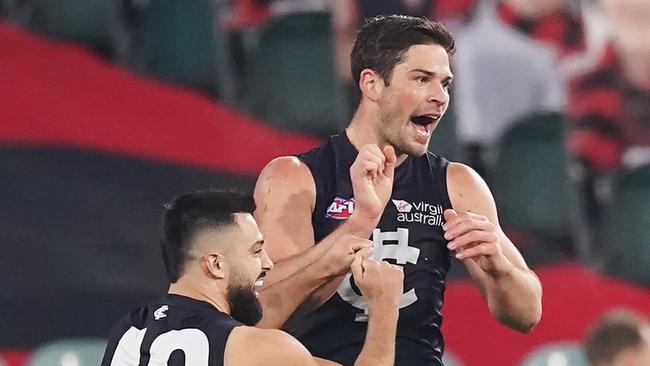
[
  {"x": 378, "y": 281},
  {"x": 372, "y": 180},
  {"x": 342, "y": 252}
]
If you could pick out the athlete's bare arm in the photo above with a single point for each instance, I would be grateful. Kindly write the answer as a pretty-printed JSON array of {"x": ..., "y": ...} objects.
[
  {"x": 285, "y": 195},
  {"x": 266, "y": 347},
  {"x": 380, "y": 282},
  {"x": 513, "y": 291}
]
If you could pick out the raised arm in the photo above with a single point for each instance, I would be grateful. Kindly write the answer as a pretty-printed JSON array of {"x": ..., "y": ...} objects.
[
  {"x": 513, "y": 291},
  {"x": 285, "y": 195}
]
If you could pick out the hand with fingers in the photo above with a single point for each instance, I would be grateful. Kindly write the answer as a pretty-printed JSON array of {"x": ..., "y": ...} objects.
[
  {"x": 474, "y": 238},
  {"x": 372, "y": 180},
  {"x": 342, "y": 252},
  {"x": 379, "y": 282}
]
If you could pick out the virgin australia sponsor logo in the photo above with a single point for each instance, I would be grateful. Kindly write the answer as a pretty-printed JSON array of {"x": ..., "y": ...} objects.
[{"x": 420, "y": 212}]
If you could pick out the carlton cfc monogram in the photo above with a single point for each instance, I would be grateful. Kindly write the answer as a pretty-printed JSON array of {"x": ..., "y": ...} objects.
[{"x": 401, "y": 252}]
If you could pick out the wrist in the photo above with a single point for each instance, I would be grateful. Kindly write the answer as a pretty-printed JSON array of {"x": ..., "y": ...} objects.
[
  {"x": 384, "y": 302},
  {"x": 360, "y": 225},
  {"x": 385, "y": 307}
]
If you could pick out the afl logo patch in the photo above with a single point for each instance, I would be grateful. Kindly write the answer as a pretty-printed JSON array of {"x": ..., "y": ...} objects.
[{"x": 340, "y": 209}]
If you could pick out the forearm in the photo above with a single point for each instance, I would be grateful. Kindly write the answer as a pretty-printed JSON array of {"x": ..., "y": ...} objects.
[
  {"x": 379, "y": 348},
  {"x": 280, "y": 300},
  {"x": 289, "y": 283},
  {"x": 288, "y": 267},
  {"x": 293, "y": 280},
  {"x": 293, "y": 266},
  {"x": 515, "y": 298},
  {"x": 328, "y": 286}
]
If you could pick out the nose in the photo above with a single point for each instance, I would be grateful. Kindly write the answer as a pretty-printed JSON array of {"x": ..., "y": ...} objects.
[
  {"x": 438, "y": 95},
  {"x": 267, "y": 263}
]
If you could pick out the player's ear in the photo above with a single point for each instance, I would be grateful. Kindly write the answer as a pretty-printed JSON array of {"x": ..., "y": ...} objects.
[
  {"x": 214, "y": 265},
  {"x": 371, "y": 84}
]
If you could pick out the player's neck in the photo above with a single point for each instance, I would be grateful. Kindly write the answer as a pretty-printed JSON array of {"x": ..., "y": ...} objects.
[
  {"x": 361, "y": 133},
  {"x": 201, "y": 292},
  {"x": 362, "y": 130}
]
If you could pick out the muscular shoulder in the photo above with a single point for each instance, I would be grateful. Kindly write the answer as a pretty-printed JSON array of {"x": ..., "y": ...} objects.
[
  {"x": 467, "y": 190},
  {"x": 285, "y": 195},
  {"x": 461, "y": 174},
  {"x": 267, "y": 347},
  {"x": 285, "y": 173},
  {"x": 285, "y": 180}
]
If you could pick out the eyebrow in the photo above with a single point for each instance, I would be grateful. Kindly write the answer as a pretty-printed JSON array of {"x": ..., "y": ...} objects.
[{"x": 431, "y": 73}]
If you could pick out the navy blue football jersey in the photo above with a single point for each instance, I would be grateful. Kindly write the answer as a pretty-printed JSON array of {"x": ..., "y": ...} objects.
[
  {"x": 409, "y": 234},
  {"x": 175, "y": 331}
]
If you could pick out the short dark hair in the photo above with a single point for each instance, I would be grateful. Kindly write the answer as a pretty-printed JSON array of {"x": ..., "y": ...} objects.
[
  {"x": 615, "y": 332},
  {"x": 383, "y": 40},
  {"x": 191, "y": 213}
]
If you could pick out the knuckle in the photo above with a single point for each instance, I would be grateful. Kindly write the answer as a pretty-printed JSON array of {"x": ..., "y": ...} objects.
[{"x": 487, "y": 236}]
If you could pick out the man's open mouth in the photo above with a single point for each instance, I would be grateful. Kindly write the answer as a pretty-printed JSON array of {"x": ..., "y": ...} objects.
[
  {"x": 425, "y": 123},
  {"x": 260, "y": 280},
  {"x": 424, "y": 120}
]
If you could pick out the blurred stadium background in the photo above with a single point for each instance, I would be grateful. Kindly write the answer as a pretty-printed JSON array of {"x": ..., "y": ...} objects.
[{"x": 108, "y": 108}]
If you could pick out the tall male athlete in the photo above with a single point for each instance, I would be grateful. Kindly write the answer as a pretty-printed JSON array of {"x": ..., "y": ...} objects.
[
  {"x": 436, "y": 209},
  {"x": 214, "y": 255}
]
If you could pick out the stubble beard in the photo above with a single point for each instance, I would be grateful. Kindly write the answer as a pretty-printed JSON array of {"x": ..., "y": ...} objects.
[{"x": 396, "y": 138}]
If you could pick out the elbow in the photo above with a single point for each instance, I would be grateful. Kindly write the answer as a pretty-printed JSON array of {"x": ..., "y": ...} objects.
[
  {"x": 535, "y": 317},
  {"x": 527, "y": 325},
  {"x": 534, "y": 312},
  {"x": 524, "y": 324},
  {"x": 523, "y": 321}
]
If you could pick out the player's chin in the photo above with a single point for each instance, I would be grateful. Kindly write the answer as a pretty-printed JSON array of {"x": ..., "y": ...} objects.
[{"x": 416, "y": 148}]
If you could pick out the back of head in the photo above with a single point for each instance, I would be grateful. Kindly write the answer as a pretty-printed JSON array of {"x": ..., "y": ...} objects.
[
  {"x": 190, "y": 214},
  {"x": 616, "y": 332},
  {"x": 382, "y": 42}
]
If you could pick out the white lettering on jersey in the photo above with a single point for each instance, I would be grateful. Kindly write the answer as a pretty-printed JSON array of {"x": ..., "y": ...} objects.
[
  {"x": 401, "y": 252},
  {"x": 419, "y": 212},
  {"x": 127, "y": 352},
  {"x": 193, "y": 342}
]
